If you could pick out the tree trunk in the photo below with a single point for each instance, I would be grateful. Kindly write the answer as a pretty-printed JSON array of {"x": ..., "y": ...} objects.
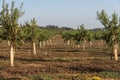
[
  {"x": 68, "y": 42},
  {"x": 12, "y": 51},
  {"x": 40, "y": 44},
  {"x": 34, "y": 48},
  {"x": 8, "y": 43},
  {"x": 44, "y": 43},
  {"x": 91, "y": 43},
  {"x": 84, "y": 42},
  {"x": 78, "y": 46},
  {"x": 83, "y": 46},
  {"x": 47, "y": 42},
  {"x": 50, "y": 42},
  {"x": 115, "y": 51}
]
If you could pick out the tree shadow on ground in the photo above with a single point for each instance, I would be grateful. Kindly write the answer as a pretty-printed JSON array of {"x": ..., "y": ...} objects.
[
  {"x": 4, "y": 57},
  {"x": 86, "y": 69},
  {"x": 33, "y": 59}
]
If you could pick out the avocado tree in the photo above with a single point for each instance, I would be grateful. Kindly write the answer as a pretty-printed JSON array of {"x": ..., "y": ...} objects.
[
  {"x": 112, "y": 28},
  {"x": 9, "y": 20},
  {"x": 81, "y": 36}
]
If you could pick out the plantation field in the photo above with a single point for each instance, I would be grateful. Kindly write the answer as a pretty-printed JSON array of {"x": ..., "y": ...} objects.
[{"x": 59, "y": 61}]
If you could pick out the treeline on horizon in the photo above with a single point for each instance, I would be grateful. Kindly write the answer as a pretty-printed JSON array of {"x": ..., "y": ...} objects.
[{"x": 55, "y": 27}]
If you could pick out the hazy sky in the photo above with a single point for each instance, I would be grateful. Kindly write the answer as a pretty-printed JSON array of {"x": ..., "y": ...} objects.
[{"x": 67, "y": 13}]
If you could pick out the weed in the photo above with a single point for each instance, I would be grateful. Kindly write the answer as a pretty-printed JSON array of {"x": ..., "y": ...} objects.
[
  {"x": 41, "y": 77},
  {"x": 94, "y": 78},
  {"x": 110, "y": 74}
]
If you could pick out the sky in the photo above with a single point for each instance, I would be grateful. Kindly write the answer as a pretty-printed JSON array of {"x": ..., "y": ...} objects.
[{"x": 66, "y": 13}]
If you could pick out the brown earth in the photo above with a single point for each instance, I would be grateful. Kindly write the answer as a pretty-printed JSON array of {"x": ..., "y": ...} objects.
[{"x": 58, "y": 60}]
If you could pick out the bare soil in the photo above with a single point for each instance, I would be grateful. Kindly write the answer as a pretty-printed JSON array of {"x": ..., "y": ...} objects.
[{"x": 58, "y": 60}]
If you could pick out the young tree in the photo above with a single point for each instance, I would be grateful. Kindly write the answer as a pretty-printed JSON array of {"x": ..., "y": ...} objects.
[
  {"x": 67, "y": 36},
  {"x": 112, "y": 28},
  {"x": 30, "y": 33},
  {"x": 81, "y": 36},
  {"x": 41, "y": 37},
  {"x": 98, "y": 35},
  {"x": 9, "y": 21},
  {"x": 34, "y": 34},
  {"x": 90, "y": 36}
]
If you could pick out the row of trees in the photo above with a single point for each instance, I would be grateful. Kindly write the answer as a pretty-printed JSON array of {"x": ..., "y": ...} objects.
[
  {"x": 81, "y": 35},
  {"x": 16, "y": 34},
  {"x": 110, "y": 33}
]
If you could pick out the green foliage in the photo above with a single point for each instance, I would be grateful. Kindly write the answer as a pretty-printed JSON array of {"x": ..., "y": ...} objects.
[
  {"x": 94, "y": 78},
  {"x": 45, "y": 34},
  {"x": 110, "y": 74},
  {"x": 1, "y": 34},
  {"x": 25, "y": 32},
  {"x": 99, "y": 34},
  {"x": 112, "y": 27},
  {"x": 34, "y": 30},
  {"x": 112, "y": 30},
  {"x": 41, "y": 35},
  {"x": 90, "y": 35},
  {"x": 30, "y": 31},
  {"x": 9, "y": 21},
  {"x": 68, "y": 35},
  {"x": 81, "y": 34}
]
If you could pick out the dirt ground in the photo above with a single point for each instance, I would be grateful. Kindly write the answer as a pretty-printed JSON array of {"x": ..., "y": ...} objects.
[{"x": 58, "y": 61}]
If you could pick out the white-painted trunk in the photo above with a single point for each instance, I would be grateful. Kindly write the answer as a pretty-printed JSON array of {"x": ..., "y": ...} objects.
[
  {"x": 47, "y": 42},
  {"x": 78, "y": 46},
  {"x": 84, "y": 43},
  {"x": 50, "y": 42},
  {"x": 44, "y": 43},
  {"x": 8, "y": 43},
  {"x": 40, "y": 44},
  {"x": 12, "y": 50},
  {"x": 34, "y": 48},
  {"x": 83, "y": 46},
  {"x": 115, "y": 52},
  {"x": 91, "y": 43},
  {"x": 68, "y": 42}
]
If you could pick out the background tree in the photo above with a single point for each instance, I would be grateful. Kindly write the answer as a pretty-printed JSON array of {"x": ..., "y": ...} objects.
[
  {"x": 112, "y": 28},
  {"x": 67, "y": 36},
  {"x": 81, "y": 36},
  {"x": 34, "y": 34},
  {"x": 98, "y": 35},
  {"x": 9, "y": 21},
  {"x": 90, "y": 37},
  {"x": 41, "y": 37}
]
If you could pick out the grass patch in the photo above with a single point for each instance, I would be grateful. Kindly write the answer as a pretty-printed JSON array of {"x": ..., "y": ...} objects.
[
  {"x": 41, "y": 77},
  {"x": 68, "y": 59},
  {"x": 110, "y": 74},
  {"x": 70, "y": 77},
  {"x": 94, "y": 78}
]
